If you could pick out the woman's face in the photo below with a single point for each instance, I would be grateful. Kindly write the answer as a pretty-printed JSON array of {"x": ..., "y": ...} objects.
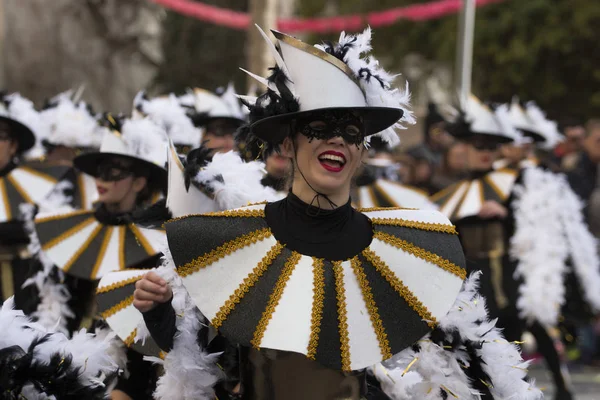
[
  {"x": 277, "y": 165},
  {"x": 481, "y": 154},
  {"x": 326, "y": 163},
  {"x": 8, "y": 146},
  {"x": 457, "y": 158},
  {"x": 116, "y": 183},
  {"x": 218, "y": 135}
]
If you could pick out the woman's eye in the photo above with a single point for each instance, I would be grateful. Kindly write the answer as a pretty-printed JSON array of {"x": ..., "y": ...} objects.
[
  {"x": 352, "y": 130},
  {"x": 318, "y": 126}
]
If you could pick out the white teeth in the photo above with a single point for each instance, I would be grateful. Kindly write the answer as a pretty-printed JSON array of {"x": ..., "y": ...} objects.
[{"x": 332, "y": 158}]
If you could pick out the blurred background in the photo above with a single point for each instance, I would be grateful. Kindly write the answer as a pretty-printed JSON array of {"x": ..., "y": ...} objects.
[{"x": 542, "y": 50}]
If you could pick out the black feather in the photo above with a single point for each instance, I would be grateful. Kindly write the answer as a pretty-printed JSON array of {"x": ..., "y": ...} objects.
[
  {"x": 57, "y": 377},
  {"x": 153, "y": 216}
]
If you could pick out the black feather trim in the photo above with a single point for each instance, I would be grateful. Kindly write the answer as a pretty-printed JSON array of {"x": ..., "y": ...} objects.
[
  {"x": 154, "y": 216},
  {"x": 58, "y": 377}
]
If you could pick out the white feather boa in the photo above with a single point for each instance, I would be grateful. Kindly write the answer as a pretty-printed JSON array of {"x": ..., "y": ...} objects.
[
  {"x": 190, "y": 372},
  {"x": 88, "y": 352},
  {"x": 539, "y": 246},
  {"x": 435, "y": 372},
  {"x": 583, "y": 246},
  {"x": 53, "y": 310},
  {"x": 234, "y": 182},
  {"x": 550, "y": 230}
]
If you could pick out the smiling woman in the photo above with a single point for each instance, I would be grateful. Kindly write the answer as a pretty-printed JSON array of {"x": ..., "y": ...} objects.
[{"x": 310, "y": 290}]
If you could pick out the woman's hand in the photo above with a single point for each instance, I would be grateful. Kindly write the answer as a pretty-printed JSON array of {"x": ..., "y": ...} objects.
[
  {"x": 492, "y": 209},
  {"x": 150, "y": 291}
]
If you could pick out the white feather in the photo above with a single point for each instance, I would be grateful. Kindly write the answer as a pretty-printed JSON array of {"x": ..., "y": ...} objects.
[
  {"x": 583, "y": 246},
  {"x": 539, "y": 246},
  {"x": 276, "y": 56},
  {"x": 168, "y": 112},
  {"x": 146, "y": 140},
  {"x": 71, "y": 124},
  {"x": 438, "y": 370},
  {"x": 241, "y": 183},
  {"x": 87, "y": 351}
]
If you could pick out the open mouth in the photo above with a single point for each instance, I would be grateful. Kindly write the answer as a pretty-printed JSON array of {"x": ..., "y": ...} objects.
[
  {"x": 332, "y": 161},
  {"x": 101, "y": 190}
]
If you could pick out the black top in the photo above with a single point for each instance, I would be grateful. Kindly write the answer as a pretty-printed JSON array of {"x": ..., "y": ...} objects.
[
  {"x": 12, "y": 233},
  {"x": 337, "y": 234}
]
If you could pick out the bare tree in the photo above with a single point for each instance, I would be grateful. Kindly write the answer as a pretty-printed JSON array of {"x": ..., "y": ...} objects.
[{"x": 110, "y": 46}]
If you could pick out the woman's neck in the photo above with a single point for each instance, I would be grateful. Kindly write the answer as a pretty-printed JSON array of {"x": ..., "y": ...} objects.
[
  {"x": 308, "y": 196},
  {"x": 119, "y": 208}
]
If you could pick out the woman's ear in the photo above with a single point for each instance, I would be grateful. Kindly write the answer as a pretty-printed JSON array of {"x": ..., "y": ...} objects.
[
  {"x": 139, "y": 183},
  {"x": 287, "y": 148}
]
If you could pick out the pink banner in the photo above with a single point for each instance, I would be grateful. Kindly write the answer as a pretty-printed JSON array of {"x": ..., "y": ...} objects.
[{"x": 241, "y": 20}]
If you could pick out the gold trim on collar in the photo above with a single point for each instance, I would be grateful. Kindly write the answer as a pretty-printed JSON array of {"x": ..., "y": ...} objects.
[
  {"x": 317, "y": 307},
  {"x": 142, "y": 240},
  {"x": 122, "y": 232},
  {"x": 503, "y": 196},
  {"x": 300, "y": 45},
  {"x": 400, "y": 287},
  {"x": 20, "y": 189},
  {"x": 103, "y": 247},
  {"x": 83, "y": 247},
  {"x": 41, "y": 175},
  {"x": 68, "y": 233},
  {"x": 222, "y": 251},
  {"x": 274, "y": 299},
  {"x": 245, "y": 286},
  {"x": 425, "y": 226},
  {"x": 62, "y": 216},
  {"x": 237, "y": 213},
  {"x": 385, "y": 195},
  {"x": 367, "y": 295},
  {"x": 5, "y": 201},
  {"x": 131, "y": 338},
  {"x": 340, "y": 290},
  {"x": 82, "y": 190},
  {"x": 118, "y": 285},
  {"x": 117, "y": 307},
  {"x": 421, "y": 253}
]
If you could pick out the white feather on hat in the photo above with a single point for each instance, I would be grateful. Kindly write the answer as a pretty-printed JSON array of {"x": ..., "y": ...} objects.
[
  {"x": 71, "y": 124},
  {"x": 548, "y": 129},
  {"x": 168, "y": 112},
  {"x": 23, "y": 110}
]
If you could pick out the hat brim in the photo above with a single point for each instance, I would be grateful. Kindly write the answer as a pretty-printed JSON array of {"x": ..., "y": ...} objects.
[
  {"x": 201, "y": 122},
  {"x": 88, "y": 163},
  {"x": 491, "y": 136},
  {"x": 376, "y": 119},
  {"x": 536, "y": 137},
  {"x": 22, "y": 134}
]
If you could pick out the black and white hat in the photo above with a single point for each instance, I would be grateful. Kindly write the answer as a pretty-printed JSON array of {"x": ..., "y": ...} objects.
[
  {"x": 339, "y": 76},
  {"x": 140, "y": 140}
]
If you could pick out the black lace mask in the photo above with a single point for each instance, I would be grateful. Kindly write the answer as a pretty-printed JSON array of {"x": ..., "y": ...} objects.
[
  {"x": 328, "y": 124},
  {"x": 112, "y": 171}
]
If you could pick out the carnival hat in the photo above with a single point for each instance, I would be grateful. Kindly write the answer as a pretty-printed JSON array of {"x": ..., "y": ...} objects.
[
  {"x": 476, "y": 119},
  {"x": 17, "y": 128},
  {"x": 71, "y": 124},
  {"x": 522, "y": 122},
  {"x": 326, "y": 77},
  {"x": 208, "y": 106},
  {"x": 168, "y": 112},
  {"x": 546, "y": 128},
  {"x": 141, "y": 141}
]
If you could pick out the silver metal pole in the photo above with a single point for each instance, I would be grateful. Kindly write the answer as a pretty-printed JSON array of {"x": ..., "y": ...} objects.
[{"x": 464, "y": 58}]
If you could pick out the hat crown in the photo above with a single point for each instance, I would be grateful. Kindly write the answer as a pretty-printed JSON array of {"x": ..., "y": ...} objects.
[
  {"x": 141, "y": 139},
  {"x": 481, "y": 117},
  {"x": 318, "y": 79},
  {"x": 340, "y": 75}
]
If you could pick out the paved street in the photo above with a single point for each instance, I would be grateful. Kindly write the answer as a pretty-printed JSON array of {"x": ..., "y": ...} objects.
[{"x": 586, "y": 382}]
